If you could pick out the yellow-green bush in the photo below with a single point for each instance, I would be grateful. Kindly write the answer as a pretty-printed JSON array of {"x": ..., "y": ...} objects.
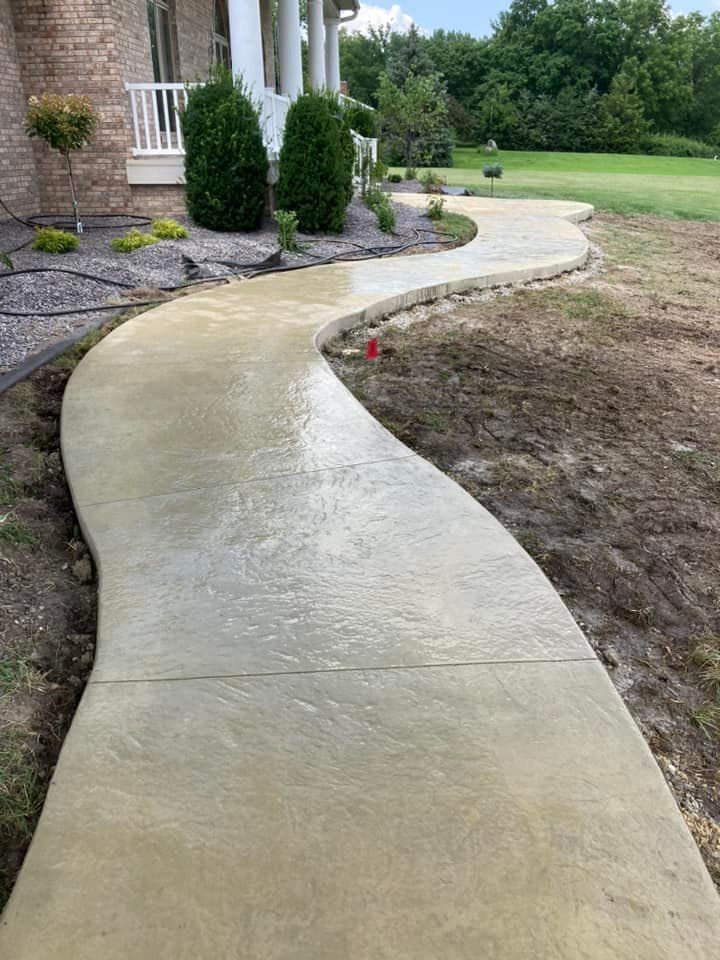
[
  {"x": 132, "y": 240},
  {"x": 166, "y": 229},
  {"x": 50, "y": 240}
]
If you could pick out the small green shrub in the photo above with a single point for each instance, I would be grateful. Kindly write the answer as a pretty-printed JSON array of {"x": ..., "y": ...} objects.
[
  {"x": 672, "y": 145},
  {"x": 381, "y": 206},
  {"x": 287, "y": 222},
  {"x": 50, "y": 240},
  {"x": 168, "y": 230},
  {"x": 315, "y": 164},
  {"x": 6, "y": 261},
  {"x": 435, "y": 208},
  {"x": 493, "y": 171},
  {"x": 395, "y": 178},
  {"x": 226, "y": 162},
  {"x": 378, "y": 171},
  {"x": 132, "y": 240},
  {"x": 431, "y": 182},
  {"x": 410, "y": 173},
  {"x": 361, "y": 120}
]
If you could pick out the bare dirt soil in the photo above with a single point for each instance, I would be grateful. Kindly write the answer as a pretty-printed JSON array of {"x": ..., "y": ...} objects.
[
  {"x": 584, "y": 413},
  {"x": 47, "y": 607}
]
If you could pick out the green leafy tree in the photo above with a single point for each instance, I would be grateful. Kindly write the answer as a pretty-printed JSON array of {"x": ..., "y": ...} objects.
[
  {"x": 461, "y": 59},
  {"x": 414, "y": 120},
  {"x": 226, "y": 162},
  {"x": 499, "y": 118},
  {"x": 66, "y": 123},
  {"x": 549, "y": 61},
  {"x": 363, "y": 57},
  {"x": 315, "y": 164}
]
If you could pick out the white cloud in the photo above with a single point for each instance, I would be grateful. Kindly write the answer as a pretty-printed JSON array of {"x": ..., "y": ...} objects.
[{"x": 374, "y": 16}]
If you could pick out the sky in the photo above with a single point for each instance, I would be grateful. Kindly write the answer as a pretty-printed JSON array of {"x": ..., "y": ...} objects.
[{"x": 470, "y": 16}]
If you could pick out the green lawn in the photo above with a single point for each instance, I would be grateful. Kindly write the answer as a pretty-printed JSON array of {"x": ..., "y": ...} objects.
[{"x": 679, "y": 187}]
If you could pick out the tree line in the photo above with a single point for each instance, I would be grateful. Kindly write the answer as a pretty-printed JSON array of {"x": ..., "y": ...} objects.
[{"x": 590, "y": 75}]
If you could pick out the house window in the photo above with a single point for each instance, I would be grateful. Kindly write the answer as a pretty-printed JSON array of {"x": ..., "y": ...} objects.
[
  {"x": 161, "y": 44},
  {"x": 221, "y": 34}
]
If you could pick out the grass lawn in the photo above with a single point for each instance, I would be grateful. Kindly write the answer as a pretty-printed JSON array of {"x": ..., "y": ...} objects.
[{"x": 679, "y": 187}]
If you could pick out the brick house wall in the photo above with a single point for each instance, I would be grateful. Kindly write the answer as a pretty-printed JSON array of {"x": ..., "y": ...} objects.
[
  {"x": 89, "y": 47},
  {"x": 70, "y": 46},
  {"x": 18, "y": 179}
]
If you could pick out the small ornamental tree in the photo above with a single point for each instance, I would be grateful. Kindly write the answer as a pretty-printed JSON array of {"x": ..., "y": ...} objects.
[
  {"x": 493, "y": 171},
  {"x": 66, "y": 123},
  {"x": 316, "y": 164},
  {"x": 226, "y": 163}
]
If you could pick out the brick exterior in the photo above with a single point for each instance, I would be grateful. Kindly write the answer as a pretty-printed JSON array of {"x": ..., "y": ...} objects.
[
  {"x": 90, "y": 47},
  {"x": 18, "y": 178},
  {"x": 159, "y": 201}
]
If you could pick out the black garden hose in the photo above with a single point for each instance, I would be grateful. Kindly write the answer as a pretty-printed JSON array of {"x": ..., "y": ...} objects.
[{"x": 242, "y": 270}]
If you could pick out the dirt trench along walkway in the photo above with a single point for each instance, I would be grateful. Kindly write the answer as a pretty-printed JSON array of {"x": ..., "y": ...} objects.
[{"x": 336, "y": 713}]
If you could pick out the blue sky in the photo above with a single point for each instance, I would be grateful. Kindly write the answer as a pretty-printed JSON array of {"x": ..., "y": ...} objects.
[{"x": 471, "y": 16}]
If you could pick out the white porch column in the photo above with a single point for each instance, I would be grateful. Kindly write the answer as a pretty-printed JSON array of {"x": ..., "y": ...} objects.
[
  {"x": 246, "y": 45},
  {"x": 332, "y": 54},
  {"x": 290, "y": 44},
  {"x": 316, "y": 44}
]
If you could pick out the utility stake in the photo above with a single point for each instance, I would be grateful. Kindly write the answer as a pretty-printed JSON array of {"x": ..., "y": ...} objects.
[{"x": 372, "y": 350}]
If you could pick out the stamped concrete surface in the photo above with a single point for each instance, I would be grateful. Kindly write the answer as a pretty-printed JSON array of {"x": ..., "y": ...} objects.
[{"x": 336, "y": 711}]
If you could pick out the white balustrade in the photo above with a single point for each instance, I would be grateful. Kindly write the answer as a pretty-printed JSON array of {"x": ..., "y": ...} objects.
[
  {"x": 157, "y": 131},
  {"x": 155, "y": 109},
  {"x": 344, "y": 98}
]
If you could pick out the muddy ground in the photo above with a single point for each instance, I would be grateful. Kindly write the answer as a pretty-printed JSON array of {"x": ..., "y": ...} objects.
[
  {"x": 584, "y": 413},
  {"x": 47, "y": 607}
]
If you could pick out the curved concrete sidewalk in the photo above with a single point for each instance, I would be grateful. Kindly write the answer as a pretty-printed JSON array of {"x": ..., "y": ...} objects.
[{"x": 337, "y": 713}]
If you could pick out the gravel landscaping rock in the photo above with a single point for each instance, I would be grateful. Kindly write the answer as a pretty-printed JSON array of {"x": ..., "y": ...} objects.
[
  {"x": 159, "y": 265},
  {"x": 405, "y": 186}
]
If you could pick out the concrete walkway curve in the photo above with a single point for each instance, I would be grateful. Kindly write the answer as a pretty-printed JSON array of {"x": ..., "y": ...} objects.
[{"x": 337, "y": 713}]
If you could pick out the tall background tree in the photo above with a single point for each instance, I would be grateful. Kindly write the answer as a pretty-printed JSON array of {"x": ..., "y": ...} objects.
[{"x": 605, "y": 75}]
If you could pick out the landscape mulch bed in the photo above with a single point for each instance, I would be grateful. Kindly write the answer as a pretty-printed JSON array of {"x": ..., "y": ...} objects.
[
  {"x": 159, "y": 265},
  {"x": 584, "y": 413}
]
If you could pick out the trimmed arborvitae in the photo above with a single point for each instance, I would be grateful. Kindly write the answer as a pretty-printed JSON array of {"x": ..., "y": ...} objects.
[
  {"x": 226, "y": 162},
  {"x": 315, "y": 164}
]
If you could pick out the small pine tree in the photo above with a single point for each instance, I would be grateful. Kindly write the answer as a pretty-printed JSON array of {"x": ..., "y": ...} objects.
[
  {"x": 226, "y": 162},
  {"x": 315, "y": 164},
  {"x": 622, "y": 117}
]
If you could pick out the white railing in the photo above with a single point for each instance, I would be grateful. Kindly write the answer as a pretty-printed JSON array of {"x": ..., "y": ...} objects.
[
  {"x": 154, "y": 108},
  {"x": 366, "y": 154},
  {"x": 273, "y": 117},
  {"x": 358, "y": 103},
  {"x": 157, "y": 132}
]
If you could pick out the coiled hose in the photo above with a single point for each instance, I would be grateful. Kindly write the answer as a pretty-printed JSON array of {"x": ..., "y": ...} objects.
[{"x": 271, "y": 264}]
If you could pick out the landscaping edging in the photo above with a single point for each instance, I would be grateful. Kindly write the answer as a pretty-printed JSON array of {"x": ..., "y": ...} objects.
[{"x": 325, "y": 676}]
